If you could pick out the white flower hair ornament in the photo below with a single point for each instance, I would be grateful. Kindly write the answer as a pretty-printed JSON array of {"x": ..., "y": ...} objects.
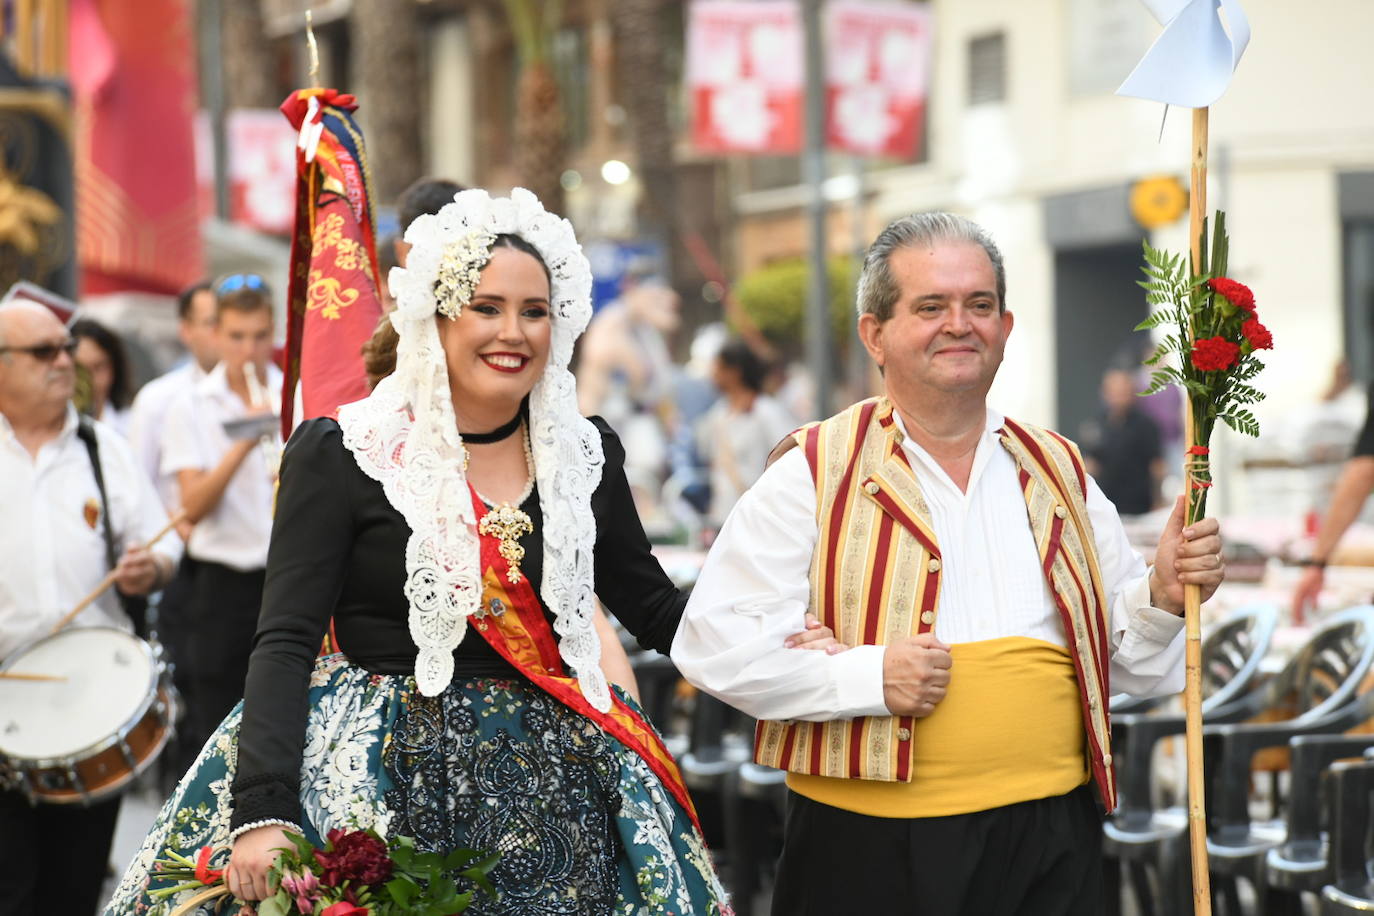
[
  {"x": 460, "y": 271},
  {"x": 405, "y": 436}
]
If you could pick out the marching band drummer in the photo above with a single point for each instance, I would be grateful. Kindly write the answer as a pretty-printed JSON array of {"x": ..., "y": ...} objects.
[
  {"x": 53, "y": 552},
  {"x": 225, "y": 467}
]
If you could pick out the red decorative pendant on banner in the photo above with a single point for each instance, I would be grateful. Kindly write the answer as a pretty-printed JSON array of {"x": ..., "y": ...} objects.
[
  {"x": 746, "y": 76},
  {"x": 877, "y": 63}
]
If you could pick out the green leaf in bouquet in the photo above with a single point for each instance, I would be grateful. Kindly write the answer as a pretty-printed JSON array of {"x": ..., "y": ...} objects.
[
  {"x": 1154, "y": 321},
  {"x": 1159, "y": 381},
  {"x": 1242, "y": 421},
  {"x": 403, "y": 891},
  {"x": 304, "y": 848},
  {"x": 1220, "y": 246},
  {"x": 403, "y": 856},
  {"x": 478, "y": 873},
  {"x": 460, "y": 857},
  {"x": 279, "y": 904}
]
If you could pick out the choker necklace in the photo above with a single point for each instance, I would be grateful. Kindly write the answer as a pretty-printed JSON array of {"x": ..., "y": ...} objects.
[{"x": 496, "y": 435}]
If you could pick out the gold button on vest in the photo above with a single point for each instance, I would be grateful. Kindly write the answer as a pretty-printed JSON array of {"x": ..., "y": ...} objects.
[
  {"x": 927, "y": 617},
  {"x": 872, "y": 487},
  {"x": 1060, "y": 512},
  {"x": 933, "y": 565},
  {"x": 903, "y": 734}
]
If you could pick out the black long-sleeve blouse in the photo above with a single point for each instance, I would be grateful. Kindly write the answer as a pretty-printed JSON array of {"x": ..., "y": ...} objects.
[{"x": 338, "y": 549}]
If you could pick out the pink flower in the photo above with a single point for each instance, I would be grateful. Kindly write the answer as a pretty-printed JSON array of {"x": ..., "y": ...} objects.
[{"x": 305, "y": 888}]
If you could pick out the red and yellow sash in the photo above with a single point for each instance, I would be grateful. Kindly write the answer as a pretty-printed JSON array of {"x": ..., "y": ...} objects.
[{"x": 512, "y": 621}]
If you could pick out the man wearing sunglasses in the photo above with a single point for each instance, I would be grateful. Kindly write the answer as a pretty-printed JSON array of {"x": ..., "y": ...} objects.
[{"x": 52, "y": 553}]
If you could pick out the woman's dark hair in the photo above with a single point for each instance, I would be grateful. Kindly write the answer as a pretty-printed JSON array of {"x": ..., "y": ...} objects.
[
  {"x": 506, "y": 240},
  {"x": 109, "y": 341},
  {"x": 737, "y": 355}
]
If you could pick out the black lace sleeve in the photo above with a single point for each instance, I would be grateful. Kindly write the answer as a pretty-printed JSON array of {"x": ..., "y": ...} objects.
[
  {"x": 312, "y": 536},
  {"x": 629, "y": 580}
]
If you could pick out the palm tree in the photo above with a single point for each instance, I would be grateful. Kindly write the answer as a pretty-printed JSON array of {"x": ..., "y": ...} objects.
[
  {"x": 386, "y": 55},
  {"x": 248, "y": 59},
  {"x": 540, "y": 139},
  {"x": 639, "y": 46}
]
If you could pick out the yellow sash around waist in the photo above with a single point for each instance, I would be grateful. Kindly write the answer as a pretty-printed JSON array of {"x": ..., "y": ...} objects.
[{"x": 1008, "y": 730}]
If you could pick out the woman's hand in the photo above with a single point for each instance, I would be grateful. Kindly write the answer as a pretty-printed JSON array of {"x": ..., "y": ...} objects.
[
  {"x": 815, "y": 636},
  {"x": 253, "y": 853}
]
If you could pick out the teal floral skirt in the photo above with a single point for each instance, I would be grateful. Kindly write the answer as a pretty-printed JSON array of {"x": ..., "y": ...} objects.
[{"x": 583, "y": 825}]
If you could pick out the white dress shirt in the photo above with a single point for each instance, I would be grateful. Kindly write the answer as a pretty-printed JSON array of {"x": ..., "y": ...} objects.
[
  {"x": 235, "y": 533},
  {"x": 52, "y": 540},
  {"x": 754, "y": 591},
  {"x": 146, "y": 418}
]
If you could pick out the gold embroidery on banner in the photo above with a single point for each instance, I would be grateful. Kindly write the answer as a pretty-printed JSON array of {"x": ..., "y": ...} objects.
[
  {"x": 348, "y": 256},
  {"x": 328, "y": 232},
  {"x": 328, "y": 295}
]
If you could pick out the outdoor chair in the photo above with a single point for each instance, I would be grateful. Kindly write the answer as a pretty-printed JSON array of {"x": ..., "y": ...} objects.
[
  {"x": 756, "y": 802},
  {"x": 1299, "y": 864},
  {"x": 1326, "y": 688},
  {"x": 1138, "y": 837},
  {"x": 1351, "y": 890}
]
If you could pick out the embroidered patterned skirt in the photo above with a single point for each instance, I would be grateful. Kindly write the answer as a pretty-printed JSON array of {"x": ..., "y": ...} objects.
[{"x": 583, "y": 825}]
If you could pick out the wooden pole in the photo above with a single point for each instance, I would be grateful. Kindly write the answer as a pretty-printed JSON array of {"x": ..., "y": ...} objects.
[
  {"x": 23, "y": 37},
  {"x": 1192, "y": 596},
  {"x": 110, "y": 577}
]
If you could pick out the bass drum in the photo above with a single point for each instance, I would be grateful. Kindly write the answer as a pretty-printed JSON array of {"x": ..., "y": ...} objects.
[{"x": 92, "y": 712}]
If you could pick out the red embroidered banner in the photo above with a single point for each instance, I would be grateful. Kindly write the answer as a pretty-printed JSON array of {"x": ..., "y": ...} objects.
[{"x": 332, "y": 298}]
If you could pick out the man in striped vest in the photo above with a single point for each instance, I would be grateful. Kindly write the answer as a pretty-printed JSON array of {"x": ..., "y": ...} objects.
[{"x": 957, "y": 758}]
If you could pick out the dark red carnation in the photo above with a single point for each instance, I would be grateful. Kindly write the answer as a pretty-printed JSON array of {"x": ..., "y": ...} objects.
[
  {"x": 358, "y": 856},
  {"x": 1213, "y": 353},
  {"x": 1238, "y": 294},
  {"x": 1258, "y": 335}
]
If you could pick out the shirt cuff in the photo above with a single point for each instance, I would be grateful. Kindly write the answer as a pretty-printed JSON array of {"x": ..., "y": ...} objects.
[
  {"x": 1154, "y": 625},
  {"x": 858, "y": 679}
]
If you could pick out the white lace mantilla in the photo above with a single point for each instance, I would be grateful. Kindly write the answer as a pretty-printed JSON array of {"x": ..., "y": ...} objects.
[{"x": 405, "y": 437}]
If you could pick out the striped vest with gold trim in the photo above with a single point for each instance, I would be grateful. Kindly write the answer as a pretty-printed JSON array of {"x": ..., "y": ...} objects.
[{"x": 875, "y": 578}]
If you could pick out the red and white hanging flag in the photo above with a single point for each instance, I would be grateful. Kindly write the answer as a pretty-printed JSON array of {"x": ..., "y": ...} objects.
[
  {"x": 746, "y": 75},
  {"x": 877, "y": 63}
]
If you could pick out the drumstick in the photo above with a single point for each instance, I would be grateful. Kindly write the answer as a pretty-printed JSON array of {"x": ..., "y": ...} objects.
[
  {"x": 110, "y": 577},
  {"x": 17, "y": 676}
]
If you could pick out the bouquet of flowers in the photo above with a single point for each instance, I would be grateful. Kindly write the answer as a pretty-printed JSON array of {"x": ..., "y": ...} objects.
[
  {"x": 357, "y": 873},
  {"x": 1216, "y": 336}
]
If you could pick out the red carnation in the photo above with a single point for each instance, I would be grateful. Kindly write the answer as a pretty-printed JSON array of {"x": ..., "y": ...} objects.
[
  {"x": 358, "y": 856},
  {"x": 344, "y": 908},
  {"x": 1213, "y": 353},
  {"x": 1258, "y": 335},
  {"x": 1238, "y": 294}
]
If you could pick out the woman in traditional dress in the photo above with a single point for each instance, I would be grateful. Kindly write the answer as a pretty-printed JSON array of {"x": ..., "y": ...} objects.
[{"x": 465, "y": 497}]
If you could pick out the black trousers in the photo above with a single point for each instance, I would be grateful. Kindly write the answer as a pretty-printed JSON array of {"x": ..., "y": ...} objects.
[
  {"x": 53, "y": 858},
  {"x": 1036, "y": 858},
  {"x": 221, "y": 618},
  {"x": 172, "y": 631}
]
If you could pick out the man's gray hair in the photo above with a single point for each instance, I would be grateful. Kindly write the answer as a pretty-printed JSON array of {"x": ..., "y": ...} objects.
[{"x": 878, "y": 290}]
